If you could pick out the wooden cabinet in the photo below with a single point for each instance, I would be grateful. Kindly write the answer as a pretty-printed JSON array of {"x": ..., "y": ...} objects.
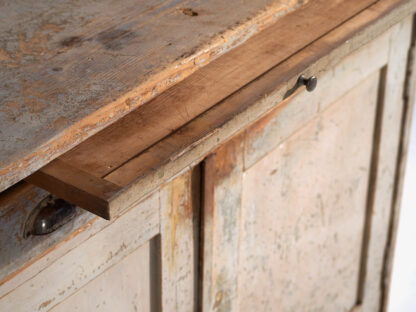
[
  {"x": 266, "y": 197},
  {"x": 298, "y": 206},
  {"x": 146, "y": 260}
]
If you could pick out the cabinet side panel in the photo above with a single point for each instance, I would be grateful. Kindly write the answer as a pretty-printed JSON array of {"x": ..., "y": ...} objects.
[{"x": 386, "y": 169}]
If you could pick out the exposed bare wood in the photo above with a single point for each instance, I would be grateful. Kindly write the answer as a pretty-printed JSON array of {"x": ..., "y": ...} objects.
[
  {"x": 70, "y": 68},
  {"x": 221, "y": 226},
  {"x": 65, "y": 181},
  {"x": 303, "y": 208},
  {"x": 82, "y": 262},
  {"x": 265, "y": 135},
  {"x": 179, "y": 224},
  {"x": 107, "y": 150},
  {"x": 190, "y": 143},
  {"x": 16, "y": 252},
  {"x": 232, "y": 190}
]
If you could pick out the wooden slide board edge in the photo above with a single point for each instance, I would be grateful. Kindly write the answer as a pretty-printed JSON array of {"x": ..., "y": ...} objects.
[{"x": 121, "y": 188}]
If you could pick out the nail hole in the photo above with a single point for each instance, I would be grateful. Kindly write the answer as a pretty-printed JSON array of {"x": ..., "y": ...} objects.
[
  {"x": 189, "y": 12},
  {"x": 72, "y": 41}
]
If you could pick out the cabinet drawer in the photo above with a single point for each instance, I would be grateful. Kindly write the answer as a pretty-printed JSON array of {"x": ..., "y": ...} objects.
[
  {"x": 145, "y": 259},
  {"x": 112, "y": 170},
  {"x": 18, "y": 251}
]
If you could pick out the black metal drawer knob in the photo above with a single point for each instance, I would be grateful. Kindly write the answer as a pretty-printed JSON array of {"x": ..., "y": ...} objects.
[{"x": 310, "y": 82}]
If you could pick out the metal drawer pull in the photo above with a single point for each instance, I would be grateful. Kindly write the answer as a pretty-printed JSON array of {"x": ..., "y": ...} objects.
[
  {"x": 50, "y": 214},
  {"x": 310, "y": 82}
]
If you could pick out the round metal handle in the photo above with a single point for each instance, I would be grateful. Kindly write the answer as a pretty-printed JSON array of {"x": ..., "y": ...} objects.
[
  {"x": 310, "y": 82},
  {"x": 51, "y": 213}
]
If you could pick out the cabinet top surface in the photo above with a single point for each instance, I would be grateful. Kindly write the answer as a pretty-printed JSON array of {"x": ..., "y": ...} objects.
[{"x": 70, "y": 68}]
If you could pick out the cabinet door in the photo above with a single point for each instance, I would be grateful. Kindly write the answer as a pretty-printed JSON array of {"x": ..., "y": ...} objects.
[
  {"x": 297, "y": 208},
  {"x": 146, "y": 260}
]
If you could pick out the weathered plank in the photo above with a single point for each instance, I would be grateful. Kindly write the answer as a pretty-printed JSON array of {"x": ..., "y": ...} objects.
[
  {"x": 303, "y": 208},
  {"x": 266, "y": 134},
  {"x": 179, "y": 228},
  {"x": 118, "y": 143},
  {"x": 82, "y": 262},
  {"x": 223, "y": 176},
  {"x": 124, "y": 287},
  {"x": 391, "y": 122},
  {"x": 160, "y": 235},
  {"x": 84, "y": 189},
  {"x": 189, "y": 144},
  {"x": 70, "y": 68}
]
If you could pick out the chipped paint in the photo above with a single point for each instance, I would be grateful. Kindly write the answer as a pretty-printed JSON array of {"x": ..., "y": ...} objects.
[{"x": 24, "y": 158}]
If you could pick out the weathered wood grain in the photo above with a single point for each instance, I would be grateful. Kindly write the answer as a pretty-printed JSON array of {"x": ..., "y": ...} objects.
[
  {"x": 120, "y": 142},
  {"x": 179, "y": 254},
  {"x": 223, "y": 176},
  {"x": 146, "y": 258},
  {"x": 265, "y": 135},
  {"x": 94, "y": 194},
  {"x": 82, "y": 262},
  {"x": 303, "y": 208},
  {"x": 123, "y": 287},
  {"x": 15, "y": 250},
  {"x": 70, "y": 68},
  {"x": 189, "y": 144}
]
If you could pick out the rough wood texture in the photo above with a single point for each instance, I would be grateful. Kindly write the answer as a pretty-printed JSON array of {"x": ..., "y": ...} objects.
[
  {"x": 318, "y": 198},
  {"x": 179, "y": 226},
  {"x": 123, "y": 287},
  {"x": 221, "y": 226},
  {"x": 146, "y": 258},
  {"x": 16, "y": 251},
  {"x": 83, "y": 262},
  {"x": 386, "y": 169},
  {"x": 70, "y": 182},
  {"x": 303, "y": 209},
  {"x": 209, "y": 85},
  {"x": 265, "y": 135},
  {"x": 168, "y": 157},
  {"x": 70, "y": 68}
]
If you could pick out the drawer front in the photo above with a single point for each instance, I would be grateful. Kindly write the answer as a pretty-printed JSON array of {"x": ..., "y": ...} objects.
[
  {"x": 297, "y": 207},
  {"x": 18, "y": 251},
  {"x": 144, "y": 260}
]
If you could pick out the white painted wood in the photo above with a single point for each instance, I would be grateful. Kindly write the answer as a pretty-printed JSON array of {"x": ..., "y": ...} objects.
[
  {"x": 388, "y": 151},
  {"x": 303, "y": 211},
  {"x": 300, "y": 218},
  {"x": 281, "y": 123},
  {"x": 82, "y": 264},
  {"x": 179, "y": 243},
  {"x": 145, "y": 259},
  {"x": 123, "y": 287},
  {"x": 221, "y": 227}
]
